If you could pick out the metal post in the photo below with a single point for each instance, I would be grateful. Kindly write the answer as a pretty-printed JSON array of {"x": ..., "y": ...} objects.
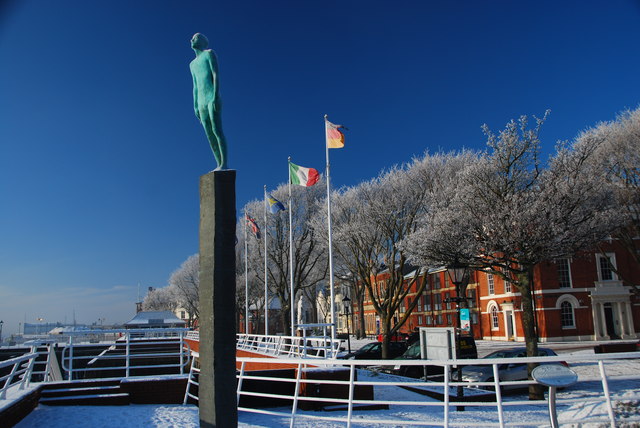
[{"x": 127, "y": 351}]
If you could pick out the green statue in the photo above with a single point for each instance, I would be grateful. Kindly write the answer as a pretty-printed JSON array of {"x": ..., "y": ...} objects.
[{"x": 206, "y": 97}]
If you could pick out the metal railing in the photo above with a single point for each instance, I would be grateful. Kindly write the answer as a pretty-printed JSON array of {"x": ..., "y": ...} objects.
[
  {"x": 289, "y": 346},
  {"x": 599, "y": 397},
  {"x": 136, "y": 352},
  {"x": 33, "y": 366}
]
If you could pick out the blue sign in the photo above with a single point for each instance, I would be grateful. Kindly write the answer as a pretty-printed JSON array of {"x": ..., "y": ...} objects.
[{"x": 465, "y": 325}]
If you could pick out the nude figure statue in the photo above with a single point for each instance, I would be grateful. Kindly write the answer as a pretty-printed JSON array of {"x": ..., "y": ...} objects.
[{"x": 206, "y": 97}]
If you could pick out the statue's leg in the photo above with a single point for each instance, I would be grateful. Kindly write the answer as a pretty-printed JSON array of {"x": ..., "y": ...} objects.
[
  {"x": 221, "y": 143},
  {"x": 207, "y": 124}
]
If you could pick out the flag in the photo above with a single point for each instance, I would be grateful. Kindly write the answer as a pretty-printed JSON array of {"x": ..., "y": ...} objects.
[
  {"x": 275, "y": 205},
  {"x": 335, "y": 137},
  {"x": 303, "y": 176},
  {"x": 254, "y": 226}
]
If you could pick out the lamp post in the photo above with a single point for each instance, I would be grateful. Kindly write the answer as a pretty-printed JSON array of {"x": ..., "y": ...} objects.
[
  {"x": 459, "y": 273},
  {"x": 1, "y": 324},
  {"x": 347, "y": 310}
]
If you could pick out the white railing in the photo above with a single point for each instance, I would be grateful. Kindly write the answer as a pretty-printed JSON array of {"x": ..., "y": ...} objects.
[
  {"x": 136, "y": 352},
  {"x": 33, "y": 367},
  {"x": 289, "y": 346},
  {"x": 19, "y": 376},
  {"x": 600, "y": 396}
]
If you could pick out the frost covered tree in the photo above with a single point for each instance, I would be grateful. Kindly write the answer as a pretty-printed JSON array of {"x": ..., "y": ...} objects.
[
  {"x": 371, "y": 219},
  {"x": 507, "y": 212},
  {"x": 310, "y": 262},
  {"x": 617, "y": 152},
  {"x": 160, "y": 299},
  {"x": 185, "y": 281}
]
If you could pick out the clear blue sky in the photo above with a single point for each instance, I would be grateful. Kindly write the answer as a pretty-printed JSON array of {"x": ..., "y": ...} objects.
[{"x": 100, "y": 152}]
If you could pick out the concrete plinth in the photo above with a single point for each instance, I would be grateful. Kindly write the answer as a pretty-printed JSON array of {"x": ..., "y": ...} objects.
[{"x": 217, "y": 390}]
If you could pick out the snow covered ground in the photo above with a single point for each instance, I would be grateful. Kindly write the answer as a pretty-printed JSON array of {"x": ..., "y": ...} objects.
[{"x": 570, "y": 414}]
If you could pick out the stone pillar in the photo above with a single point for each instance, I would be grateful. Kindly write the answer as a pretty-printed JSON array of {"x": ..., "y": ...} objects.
[{"x": 217, "y": 390}]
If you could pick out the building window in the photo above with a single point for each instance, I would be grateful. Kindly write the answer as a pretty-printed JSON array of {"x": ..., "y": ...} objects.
[
  {"x": 439, "y": 319},
  {"x": 606, "y": 267},
  {"x": 471, "y": 301},
  {"x": 507, "y": 286},
  {"x": 494, "y": 318},
  {"x": 429, "y": 320},
  {"x": 436, "y": 281},
  {"x": 427, "y": 302},
  {"x": 420, "y": 303},
  {"x": 182, "y": 315},
  {"x": 490, "y": 283},
  {"x": 566, "y": 315},
  {"x": 437, "y": 302},
  {"x": 448, "y": 319},
  {"x": 474, "y": 317},
  {"x": 447, "y": 305},
  {"x": 419, "y": 319},
  {"x": 564, "y": 273}
]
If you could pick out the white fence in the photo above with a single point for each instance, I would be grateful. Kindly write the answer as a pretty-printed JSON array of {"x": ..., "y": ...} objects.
[
  {"x": 601, "y": 397},
  {"x": 289, "y": 346}
]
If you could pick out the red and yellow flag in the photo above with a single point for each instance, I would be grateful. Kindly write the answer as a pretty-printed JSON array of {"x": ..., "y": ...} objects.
[{"x": 335, "y": 137}]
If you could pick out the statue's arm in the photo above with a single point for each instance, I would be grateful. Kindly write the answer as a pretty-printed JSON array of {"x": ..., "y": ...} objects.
[
  {"x": 213, "y": 66},
  {"x": 195, "y": 95}
]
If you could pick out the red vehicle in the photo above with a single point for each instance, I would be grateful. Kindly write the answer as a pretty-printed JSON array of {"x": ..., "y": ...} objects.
[{"x": 398, "y": 337}]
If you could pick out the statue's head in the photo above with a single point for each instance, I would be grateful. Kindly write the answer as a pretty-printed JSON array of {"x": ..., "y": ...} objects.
[{"x": 199, "y": 41}]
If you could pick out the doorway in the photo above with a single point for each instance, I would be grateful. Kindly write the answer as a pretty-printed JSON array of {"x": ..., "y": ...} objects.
[
  {"x": 609, "y": 321},
  {"x": 509, "y": 324}
]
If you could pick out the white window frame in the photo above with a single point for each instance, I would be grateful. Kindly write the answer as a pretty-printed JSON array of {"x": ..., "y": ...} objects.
[
  {"x": 491, "y": 283},
  {"x": 568, "y": 264},
  {"x": 494, "y": 318},
  {"x": 573, "y": 315},
  {"x": 612, "y": 260}
]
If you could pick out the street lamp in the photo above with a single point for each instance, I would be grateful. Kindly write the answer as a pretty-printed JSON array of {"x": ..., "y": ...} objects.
[
  {"x": 1, "y": 324},
  {"x": 459, "y": 274},
  {"x": 347, "y": 309}
]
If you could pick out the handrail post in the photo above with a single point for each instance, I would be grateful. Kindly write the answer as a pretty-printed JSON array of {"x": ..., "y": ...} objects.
[
  {"x": 240, "y": 379},
  {"x": 496, "y": 382},
  {"x": 446, "y": 395},
  {"x": 181, "y": 351},
  {"x": 70, "y": 358},
  {"x": 607, "y": 395},
  {"x": 127, "y": 353},
  {"x": 296, "y": 393},
  {"x": 352, "y": 387}
]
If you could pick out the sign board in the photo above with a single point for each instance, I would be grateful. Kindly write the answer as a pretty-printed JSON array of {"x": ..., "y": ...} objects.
[
  {"x": 465, "y": 324},
  {"x": 555, "y": 375},
  {"x": 437, "y": 343}
]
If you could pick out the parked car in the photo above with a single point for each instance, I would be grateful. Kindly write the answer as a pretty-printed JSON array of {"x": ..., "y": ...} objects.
[
  {"x": 466, "y": 349},
  {"x": 373, "y": 351},
  {"x": 506, "y": 372}
]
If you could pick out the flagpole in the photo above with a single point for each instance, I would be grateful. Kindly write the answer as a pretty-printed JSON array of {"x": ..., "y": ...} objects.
[
  {"x": 246, "y": 278},
  {"x": 291, "y": 249},
  {"x": 266, "y": 289},
  {"x": 331, "y": 286}
]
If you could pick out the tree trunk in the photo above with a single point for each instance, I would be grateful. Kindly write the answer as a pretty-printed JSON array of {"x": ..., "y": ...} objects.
[
  {"x": 525, "y": 286},
  {"x": 362, "y": 328}
]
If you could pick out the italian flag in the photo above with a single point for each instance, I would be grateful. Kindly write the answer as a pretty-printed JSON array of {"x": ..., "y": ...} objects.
[{"x": 303, "y": 176}]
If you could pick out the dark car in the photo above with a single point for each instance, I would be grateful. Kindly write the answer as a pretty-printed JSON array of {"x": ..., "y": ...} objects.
[
  {"x": 466, "y": 349},
  {"x": 506, "y": 372},
  {"x": 373, "y": 351}
]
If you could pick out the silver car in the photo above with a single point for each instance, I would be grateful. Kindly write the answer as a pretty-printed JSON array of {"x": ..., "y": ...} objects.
[{"x": 506, "y": 372}]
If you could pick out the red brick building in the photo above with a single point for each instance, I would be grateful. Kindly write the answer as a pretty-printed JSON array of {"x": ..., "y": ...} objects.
[{"x": 583, "y": 298}]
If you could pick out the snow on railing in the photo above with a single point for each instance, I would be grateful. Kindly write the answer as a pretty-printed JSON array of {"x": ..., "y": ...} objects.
[
  {"x": 603, "y": 395},
  {"x": 19, "y": 376},
  {"x": 289, "y": 346},
  {"x": 136, "y": 352}
]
